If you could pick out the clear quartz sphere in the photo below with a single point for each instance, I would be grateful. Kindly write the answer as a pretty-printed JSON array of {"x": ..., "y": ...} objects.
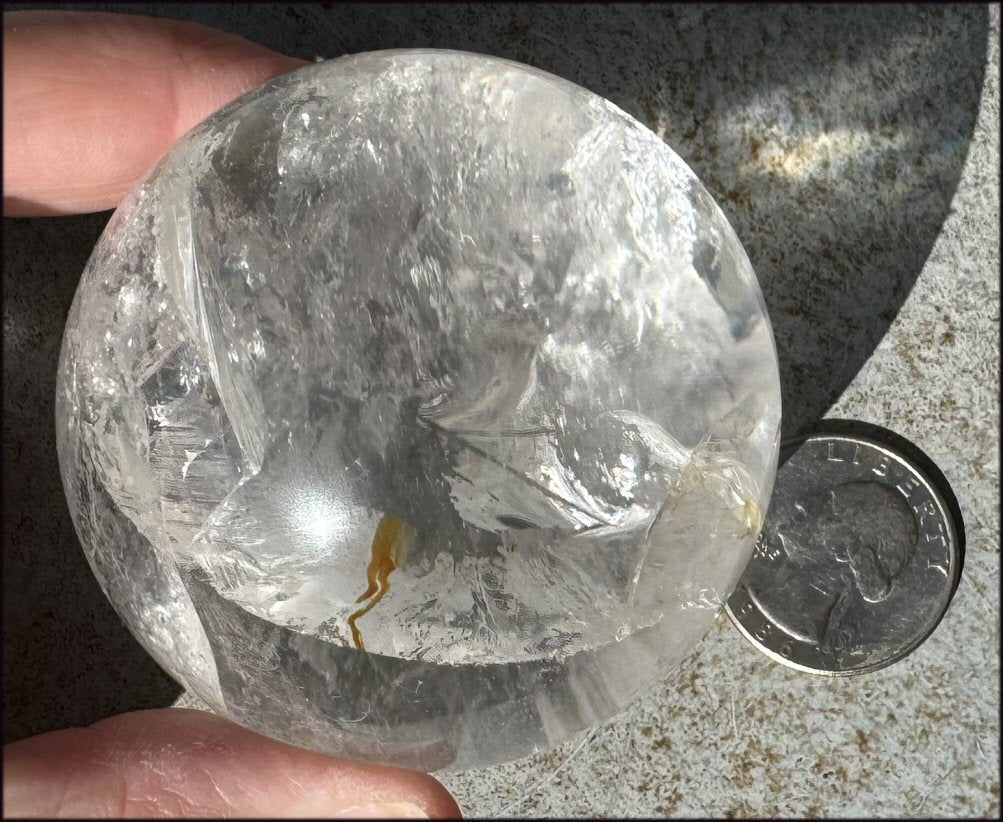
[{"x": 419, "y": 407}]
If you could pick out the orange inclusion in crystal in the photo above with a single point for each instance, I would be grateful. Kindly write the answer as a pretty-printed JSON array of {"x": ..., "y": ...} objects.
[{"x": 389, "y": 545}]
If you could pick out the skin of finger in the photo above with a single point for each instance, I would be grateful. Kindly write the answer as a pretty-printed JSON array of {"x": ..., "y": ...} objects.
[
  {"x": 175, "y": 762},
  {"x": 91, "y": 100}
]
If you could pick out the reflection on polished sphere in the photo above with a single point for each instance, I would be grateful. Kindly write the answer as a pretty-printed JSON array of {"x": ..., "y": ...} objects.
[{"x": 420, "y": 407}]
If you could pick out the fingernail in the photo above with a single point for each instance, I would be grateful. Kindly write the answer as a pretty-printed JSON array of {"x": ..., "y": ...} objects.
[{"x": 388, "y": 810}]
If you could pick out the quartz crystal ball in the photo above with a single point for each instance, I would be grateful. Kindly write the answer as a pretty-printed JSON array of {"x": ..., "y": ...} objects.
[{"x": 419, "y": 407}]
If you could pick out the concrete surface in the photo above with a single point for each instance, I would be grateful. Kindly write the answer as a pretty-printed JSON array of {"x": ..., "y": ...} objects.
[{"x": 856, "y": 151}]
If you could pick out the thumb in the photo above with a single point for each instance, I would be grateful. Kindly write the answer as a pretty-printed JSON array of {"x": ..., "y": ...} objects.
[
  {"x": 91, "y": 100},
  {"x": 175, "y": 762}
]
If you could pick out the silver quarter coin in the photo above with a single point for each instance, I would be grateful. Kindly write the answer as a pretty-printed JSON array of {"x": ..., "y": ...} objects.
[{"x": 857, "y": 561}]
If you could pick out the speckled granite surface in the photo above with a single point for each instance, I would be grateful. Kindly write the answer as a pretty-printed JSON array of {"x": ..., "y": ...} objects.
[{"x": 856, "y": 151}]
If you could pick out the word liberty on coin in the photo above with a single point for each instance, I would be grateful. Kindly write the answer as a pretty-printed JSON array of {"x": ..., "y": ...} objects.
[{"x": 856, "y": 563}]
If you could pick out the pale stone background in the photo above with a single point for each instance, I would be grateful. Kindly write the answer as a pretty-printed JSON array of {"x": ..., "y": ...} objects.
[{"x": 856, "y": 152}]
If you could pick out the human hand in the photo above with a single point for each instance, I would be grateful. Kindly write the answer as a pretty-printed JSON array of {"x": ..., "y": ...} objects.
[{"x": 91, "y": 102}]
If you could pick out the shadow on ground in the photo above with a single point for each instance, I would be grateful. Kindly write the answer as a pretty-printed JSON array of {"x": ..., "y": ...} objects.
[{"x": 833, "y": 138}]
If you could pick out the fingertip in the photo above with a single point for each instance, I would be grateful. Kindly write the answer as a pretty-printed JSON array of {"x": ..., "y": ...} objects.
[
  {"x": 180, "y": 762},
  {"x": 92, "y": 100}
]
